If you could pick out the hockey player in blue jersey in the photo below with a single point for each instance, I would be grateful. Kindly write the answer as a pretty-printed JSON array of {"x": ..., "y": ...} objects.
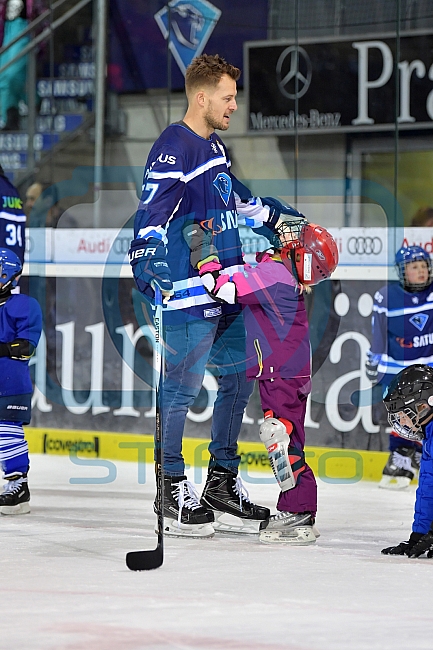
[
  {"x": 409, "y": 402},
  {"x": 402, "y": 329},
  {"x": 20, "y": 330},
  {"x": 187, "y": 181},
  {"x": 12, "y": 218}
]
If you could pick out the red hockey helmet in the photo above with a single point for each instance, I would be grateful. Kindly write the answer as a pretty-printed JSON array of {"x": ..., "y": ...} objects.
[{"x": 316, "y": 256}]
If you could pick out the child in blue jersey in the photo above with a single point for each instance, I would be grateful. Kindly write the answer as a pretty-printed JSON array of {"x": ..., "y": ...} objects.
[
  {"x": 402, "y": 329},
  {"x": 409, "y": 402},
  {"x": 20, "y": 330}
]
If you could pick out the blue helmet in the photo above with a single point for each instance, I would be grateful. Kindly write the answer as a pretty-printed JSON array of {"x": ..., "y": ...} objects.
[
  {"x": 10, "y": 269},
  {"x": 412, "y": 254}
]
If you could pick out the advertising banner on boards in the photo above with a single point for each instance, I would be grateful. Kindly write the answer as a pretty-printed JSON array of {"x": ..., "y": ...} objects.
[{"x": 94, "y": 366}]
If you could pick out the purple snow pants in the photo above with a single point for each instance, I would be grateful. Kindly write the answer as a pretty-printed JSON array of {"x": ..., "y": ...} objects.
[{"x": 287, "y": 398}]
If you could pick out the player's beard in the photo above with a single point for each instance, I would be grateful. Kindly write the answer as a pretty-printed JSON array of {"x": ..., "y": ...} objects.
[{"x": 213, "y": 123}]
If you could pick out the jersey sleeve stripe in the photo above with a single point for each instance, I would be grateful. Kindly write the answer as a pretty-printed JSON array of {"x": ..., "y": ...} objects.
[
  {"x": 161, "y": 175},
  {"x": 214, "y": 162},
  {"x": 402, "y": 312},
  {"x": 20, "y": 218}
]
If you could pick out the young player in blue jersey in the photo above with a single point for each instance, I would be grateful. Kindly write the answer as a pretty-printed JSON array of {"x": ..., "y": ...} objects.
[
  {"x": 187, "y": 181},
  {"x": 402, "y": 328},
  {"x": 20, "y": 330},
  {"x": 409, "y": 402},
  {"x": 12, "y": 218}
]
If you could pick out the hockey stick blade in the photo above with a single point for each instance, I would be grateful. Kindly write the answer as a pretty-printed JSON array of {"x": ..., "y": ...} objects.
[{"x": 145, "y": 560}]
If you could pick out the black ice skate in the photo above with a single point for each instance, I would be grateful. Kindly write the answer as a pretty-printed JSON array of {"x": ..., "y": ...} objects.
[
  {"x": 399, "y": 470},
  {"x": 226, "y": 496},
  {"x": 15, "y": 498},
  {"x": 183, "y": 514},
  {"x": 289, "y": 528}
]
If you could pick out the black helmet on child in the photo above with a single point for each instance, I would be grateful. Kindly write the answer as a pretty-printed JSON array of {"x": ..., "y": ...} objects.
[{"x": 409, "y": 401}]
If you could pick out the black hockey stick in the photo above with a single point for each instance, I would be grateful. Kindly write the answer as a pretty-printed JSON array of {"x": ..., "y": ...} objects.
[{"x": 146, "y": 560}]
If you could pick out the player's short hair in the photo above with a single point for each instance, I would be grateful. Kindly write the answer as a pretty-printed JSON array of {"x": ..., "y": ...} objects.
[{"x": 207, "y": 70}]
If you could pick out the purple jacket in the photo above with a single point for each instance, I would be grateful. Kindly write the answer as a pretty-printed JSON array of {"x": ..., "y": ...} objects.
[{"x": 278, "y": 342}]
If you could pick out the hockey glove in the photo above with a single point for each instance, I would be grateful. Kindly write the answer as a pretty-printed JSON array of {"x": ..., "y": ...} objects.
[
  {"x": 371, "y": 366},
  {"x": 19, "y": 349},
  {"x": 425, "y": 544},
  {"x": 404, "y": 547},
  {"x": 219, "y": 287},
  {"x": 276, "y": 209},
  {"x": 147, "y": 258}
]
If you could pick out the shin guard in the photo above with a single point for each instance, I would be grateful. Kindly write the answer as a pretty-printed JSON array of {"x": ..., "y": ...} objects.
[{"x": 287, "y": 462}]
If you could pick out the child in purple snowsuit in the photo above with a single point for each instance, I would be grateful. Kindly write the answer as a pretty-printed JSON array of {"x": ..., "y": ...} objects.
[{"x": 278, "y": 356}]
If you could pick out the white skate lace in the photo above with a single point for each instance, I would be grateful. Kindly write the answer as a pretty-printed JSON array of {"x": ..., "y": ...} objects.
[
  {"x": 10, "y": 487},
  {"x": 404, "y": 462},
  {"x": 185, "y": 494},
  {"x": 241, "y": 491}
]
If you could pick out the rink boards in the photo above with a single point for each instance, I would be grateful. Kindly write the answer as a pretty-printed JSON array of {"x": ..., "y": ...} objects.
[{"x": 95, "y": 451}]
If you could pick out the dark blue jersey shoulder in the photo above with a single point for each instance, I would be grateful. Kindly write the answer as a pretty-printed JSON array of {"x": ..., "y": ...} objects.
[{"x": 12, "y": 219}]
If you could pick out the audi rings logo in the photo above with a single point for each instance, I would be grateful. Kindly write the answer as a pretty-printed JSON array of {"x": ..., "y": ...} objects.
[
  {"x": 365, "y": 245},
  {"x": 294, "y": 72}
]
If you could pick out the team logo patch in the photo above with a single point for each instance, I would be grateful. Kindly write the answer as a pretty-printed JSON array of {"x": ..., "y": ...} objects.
[
  {"x": 419, "y": 321},
  {"x": 223, "y": 183}
]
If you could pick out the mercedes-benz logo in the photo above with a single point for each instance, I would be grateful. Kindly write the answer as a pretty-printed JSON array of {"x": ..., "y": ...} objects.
[{"x": 294, "y": 71}]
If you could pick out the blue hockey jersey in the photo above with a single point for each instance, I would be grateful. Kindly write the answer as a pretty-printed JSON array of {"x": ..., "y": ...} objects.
[
  {"x": 12, "y": 219},
  {"x": 423, "y": 517},
  {"x": 402, "y": 329},
  {"x": 188, "y": 179},
  {"x": 20, "y": 318}
]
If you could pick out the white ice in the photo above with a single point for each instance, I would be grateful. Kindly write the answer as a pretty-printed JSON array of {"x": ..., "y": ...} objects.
[{"x": 65, "y": 585}]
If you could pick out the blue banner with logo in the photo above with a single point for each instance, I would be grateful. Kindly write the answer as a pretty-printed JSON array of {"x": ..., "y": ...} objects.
[{"x": 139, "y": 32}]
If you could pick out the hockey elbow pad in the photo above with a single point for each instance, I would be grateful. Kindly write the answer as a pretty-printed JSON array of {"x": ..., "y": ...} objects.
[
  {"x": 20, "y": 349},
  {"x": 287, "y": 462}
]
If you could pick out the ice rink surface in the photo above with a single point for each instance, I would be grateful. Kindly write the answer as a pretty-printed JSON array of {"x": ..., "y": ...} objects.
[{"x": 66, "y": 586}]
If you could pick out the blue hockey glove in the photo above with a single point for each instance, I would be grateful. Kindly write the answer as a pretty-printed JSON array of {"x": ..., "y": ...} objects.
[
  {"x": 147, "y": 258},
  {"x": 404, "y": 548},
  {"x": 276, "y": 209}
]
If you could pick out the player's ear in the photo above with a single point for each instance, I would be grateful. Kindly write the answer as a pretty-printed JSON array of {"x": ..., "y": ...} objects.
[{"x": 201, "y": 98}]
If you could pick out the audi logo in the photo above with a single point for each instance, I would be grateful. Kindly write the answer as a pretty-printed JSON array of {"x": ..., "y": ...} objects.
[
  {"x": 364, "y": 245},
  {"x": 121, "y": 245}
]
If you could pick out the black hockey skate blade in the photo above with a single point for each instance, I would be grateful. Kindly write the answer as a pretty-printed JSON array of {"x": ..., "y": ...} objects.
[{"x": 145, "y": 560}]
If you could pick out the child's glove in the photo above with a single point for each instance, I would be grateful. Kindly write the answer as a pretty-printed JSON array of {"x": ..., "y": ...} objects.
[
  {"x": 218, "y": 286},
  {"x": 404, "y": 548}
]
